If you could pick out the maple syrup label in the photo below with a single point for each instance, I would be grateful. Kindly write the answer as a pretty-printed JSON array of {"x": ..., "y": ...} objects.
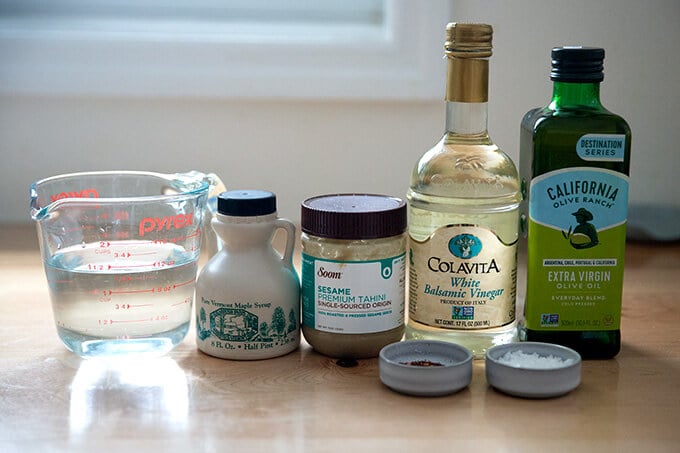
[
  {"x": 462, "y": 277},
  {"x": 246, "y": 327}
]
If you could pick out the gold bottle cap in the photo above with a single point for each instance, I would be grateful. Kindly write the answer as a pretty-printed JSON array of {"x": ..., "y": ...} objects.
[{"x": 468, "y": 40}]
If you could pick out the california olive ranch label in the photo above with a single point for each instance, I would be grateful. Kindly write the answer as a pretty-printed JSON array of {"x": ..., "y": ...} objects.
[{"x": 577, "y": 223}]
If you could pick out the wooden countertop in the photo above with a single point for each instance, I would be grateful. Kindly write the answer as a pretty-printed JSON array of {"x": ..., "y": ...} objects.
[{"x": 50, "y": 400}]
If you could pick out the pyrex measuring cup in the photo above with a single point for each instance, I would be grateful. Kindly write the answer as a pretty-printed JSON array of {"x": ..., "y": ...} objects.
[{"x": 120, "y": 251}]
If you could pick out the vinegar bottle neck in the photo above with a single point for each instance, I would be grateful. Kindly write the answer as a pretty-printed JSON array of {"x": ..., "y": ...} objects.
[{"x": 467, "y": 50}]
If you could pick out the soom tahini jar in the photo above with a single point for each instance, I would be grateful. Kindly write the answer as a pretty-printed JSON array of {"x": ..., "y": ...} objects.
[{"x": 353, "y": 273}]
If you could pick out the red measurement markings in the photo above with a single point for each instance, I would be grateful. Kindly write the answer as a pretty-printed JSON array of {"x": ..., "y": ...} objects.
[
  {"x": 132, "y": 291},
  {"x": 188, "y": 282},
  {"x": 185, "y": 301},
  {"x": 133, "y": 243},
  {"x": 155, "y": 289},
  {"x": 155, "y": 265},
  {"x": 126, "y": 266},
  {"x": 104, "y": 244},
  {"x": 130, "y": 306},
  {"x": 108, "y": 322},
  {"x": 127, "y": 321},
  {"x": 167, "y": 240},
  {"x": 196, "y": 233},
  {"x": 127, "y": 254},
  {"x": 129, "y": 278},
  {"x": 164, "y": 289}
]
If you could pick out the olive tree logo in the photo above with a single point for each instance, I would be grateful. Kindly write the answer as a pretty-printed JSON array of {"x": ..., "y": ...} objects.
[{"x": 465, "y": 246}]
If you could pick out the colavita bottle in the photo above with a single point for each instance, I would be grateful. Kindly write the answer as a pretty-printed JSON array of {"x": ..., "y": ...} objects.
[
  {"x": 464, "y": 214},
  {"x": 575, "y": 160}
]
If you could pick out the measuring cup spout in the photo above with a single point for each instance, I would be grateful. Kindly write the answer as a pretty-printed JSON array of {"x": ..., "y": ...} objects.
[{"x": 36, "y": 211}]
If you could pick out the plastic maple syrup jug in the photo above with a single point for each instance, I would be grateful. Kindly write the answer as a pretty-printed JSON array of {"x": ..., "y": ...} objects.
[{"x": 248, "y": 295}]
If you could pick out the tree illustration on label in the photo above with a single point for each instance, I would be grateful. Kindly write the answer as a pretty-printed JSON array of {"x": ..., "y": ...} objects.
[
  {"x": 292, "y": 321},
  {"x": 201, "y": 322},
  {"x": 278, "y": 321},
  {"x": 584, "y": 235}
]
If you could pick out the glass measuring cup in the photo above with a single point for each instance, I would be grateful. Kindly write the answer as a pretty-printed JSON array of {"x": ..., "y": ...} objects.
[{"x": 120, "y": 251}]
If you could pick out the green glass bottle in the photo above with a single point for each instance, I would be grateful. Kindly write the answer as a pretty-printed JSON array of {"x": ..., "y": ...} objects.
[{"x": 574, "y": 165}]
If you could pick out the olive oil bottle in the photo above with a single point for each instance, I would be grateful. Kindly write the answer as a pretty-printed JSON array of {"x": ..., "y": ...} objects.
[
  {"x": 464, "y": 200},
  {"x": 574, "y": 164}
]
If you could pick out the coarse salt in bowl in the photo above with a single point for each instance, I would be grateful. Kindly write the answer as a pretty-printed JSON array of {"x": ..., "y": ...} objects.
[{"x": 533, "y": 369}]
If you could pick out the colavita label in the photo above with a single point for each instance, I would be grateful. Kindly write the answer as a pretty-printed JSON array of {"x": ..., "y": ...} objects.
[
  {"x": 577, "y": 233},
  {"x": 462, "y": 277}
]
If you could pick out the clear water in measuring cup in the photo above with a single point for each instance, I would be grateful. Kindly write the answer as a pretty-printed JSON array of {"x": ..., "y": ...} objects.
[{"x": 122, "y": 297}]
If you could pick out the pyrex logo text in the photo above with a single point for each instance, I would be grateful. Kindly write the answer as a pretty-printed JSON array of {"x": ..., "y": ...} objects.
[
  {"x": 149, "y": 224},
  {"x": 85, "y": 193}
]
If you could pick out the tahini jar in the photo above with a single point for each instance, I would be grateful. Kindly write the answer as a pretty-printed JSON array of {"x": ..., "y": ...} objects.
[{"x": 353, "y": 273}]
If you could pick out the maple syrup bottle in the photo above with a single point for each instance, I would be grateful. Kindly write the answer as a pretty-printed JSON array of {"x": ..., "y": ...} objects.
[{"x": 248, "y": 294}]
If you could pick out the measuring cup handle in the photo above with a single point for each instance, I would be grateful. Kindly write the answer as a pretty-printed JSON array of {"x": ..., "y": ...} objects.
[
  {"x": 212, "y": 242},
  {"x": 289, "y": 226}
]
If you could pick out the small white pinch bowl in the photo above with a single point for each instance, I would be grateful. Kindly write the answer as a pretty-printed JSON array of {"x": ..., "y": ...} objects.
[
  {"x": 529, "y": 381},
  {"x": 452, "y": 373}
]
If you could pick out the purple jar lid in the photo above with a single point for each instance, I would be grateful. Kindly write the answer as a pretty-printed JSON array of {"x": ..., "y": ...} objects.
[{"x": 353, "y": 216}]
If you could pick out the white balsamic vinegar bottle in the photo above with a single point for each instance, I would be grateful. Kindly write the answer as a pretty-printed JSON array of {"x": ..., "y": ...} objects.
[{"x": 463, "y": 214}]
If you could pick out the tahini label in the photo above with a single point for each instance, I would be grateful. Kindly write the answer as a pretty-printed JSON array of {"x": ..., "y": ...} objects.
[
  {"x": 353, "y": 296},
  {"x": 577, "y": 232},
  {"x": 462, "y": 277}
]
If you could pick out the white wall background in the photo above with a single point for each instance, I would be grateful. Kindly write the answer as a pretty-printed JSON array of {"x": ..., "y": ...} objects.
[{"x": 300, "y": 148}]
